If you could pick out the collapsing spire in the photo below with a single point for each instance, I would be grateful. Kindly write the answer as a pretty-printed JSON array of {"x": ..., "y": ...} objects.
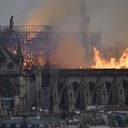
[
  {"x": 84, "y": 26},
  {"x": 83, "y": 7}
]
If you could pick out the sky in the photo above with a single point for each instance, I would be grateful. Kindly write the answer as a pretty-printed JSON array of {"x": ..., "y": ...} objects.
[{"x": 109, "y": 16}]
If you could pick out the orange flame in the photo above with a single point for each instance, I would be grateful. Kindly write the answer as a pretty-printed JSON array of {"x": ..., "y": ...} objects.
[{"x": 112, "y": 63}]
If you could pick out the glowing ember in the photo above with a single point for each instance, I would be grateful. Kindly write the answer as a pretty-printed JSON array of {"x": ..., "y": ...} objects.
[
  {"x": 112, "y": 63},
  {"x": 35, "y": 44},
  {"x": 81, "y": 67},
  {"x": 14, "y": 52},
  {"x": 28, "y": 62}
]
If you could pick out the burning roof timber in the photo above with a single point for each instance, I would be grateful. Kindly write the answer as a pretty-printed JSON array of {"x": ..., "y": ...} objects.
[
  {"x": 40, "y": 44},
  {"x": 33, "y": 40}
]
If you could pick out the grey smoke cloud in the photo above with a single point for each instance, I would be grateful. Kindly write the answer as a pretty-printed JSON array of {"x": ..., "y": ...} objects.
[{"x": 110, "y": 16}]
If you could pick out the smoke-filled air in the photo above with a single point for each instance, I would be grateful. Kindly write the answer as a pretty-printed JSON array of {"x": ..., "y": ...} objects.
[
  {"x": 77, "y": 41},
  {"x": 64, "y": 16},
  {"x": 85, "y": 33}
]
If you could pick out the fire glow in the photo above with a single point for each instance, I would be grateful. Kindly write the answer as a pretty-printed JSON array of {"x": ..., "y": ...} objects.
[
  {"x": 101, "y": 63},
  {"x": 30, "y": 60},
  {"x": 98, "y": 61}
]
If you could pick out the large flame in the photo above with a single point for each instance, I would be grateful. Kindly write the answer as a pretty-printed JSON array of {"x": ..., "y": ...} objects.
[
  {"x": 112, "y": 63},
  {"x": 35, "y": 52}
]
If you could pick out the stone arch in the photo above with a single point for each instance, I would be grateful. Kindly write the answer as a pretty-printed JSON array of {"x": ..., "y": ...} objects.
[
  {"x": 88, "y": 92},
  {"x": 91, "y": 87},
  {"x": 68, "y": 83},
  {"x": 77, "y": 104},
  {"x": 105, "y": 88},
  {"x": 75, "y": 85},
  {"x": 64, "y": 99},
  {"x": 80, "y": 100},
  {"x": 60, "y": 86},
  {"x": 70, "y": 86},
  {"x": 73, "y": 90},
  {"x": 123, "y": 92}
]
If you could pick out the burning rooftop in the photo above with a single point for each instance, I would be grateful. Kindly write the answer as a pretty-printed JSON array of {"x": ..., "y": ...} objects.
[
  {"x": 33, "y": 40},
  {"x": 57, "y": 45}
]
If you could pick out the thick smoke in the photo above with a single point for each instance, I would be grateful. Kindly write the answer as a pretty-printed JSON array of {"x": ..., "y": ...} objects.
[
  {"x": 65, "y": 17},
  {"x": 69, "y": 52},
  {"x": 53, "y": 12},
  {"x": 110, "y": 16}
]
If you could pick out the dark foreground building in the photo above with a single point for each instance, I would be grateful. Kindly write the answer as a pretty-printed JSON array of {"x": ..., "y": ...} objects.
[{"x": 20, "y": 122}]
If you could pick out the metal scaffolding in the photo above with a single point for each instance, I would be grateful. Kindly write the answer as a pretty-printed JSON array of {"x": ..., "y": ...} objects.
[{"x": 34, "y": 40}]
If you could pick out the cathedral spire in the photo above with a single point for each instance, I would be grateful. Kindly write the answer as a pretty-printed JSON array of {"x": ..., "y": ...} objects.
[
  {"x": 85, "y": 31},
  {"x": 83, "y": 7},
  {"x": 84, "y": 26}
]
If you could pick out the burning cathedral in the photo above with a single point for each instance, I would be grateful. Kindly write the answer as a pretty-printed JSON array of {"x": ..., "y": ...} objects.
[{"x": 30, "y": 78}]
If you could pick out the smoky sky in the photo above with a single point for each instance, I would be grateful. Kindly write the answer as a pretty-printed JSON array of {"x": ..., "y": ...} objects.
[{"x": 108, "y": 16}]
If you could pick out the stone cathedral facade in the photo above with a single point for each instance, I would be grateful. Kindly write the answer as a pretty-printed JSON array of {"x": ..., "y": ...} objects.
[
  {"x": 52, "y": 89},
  {"x": 48, "y": 88}
]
